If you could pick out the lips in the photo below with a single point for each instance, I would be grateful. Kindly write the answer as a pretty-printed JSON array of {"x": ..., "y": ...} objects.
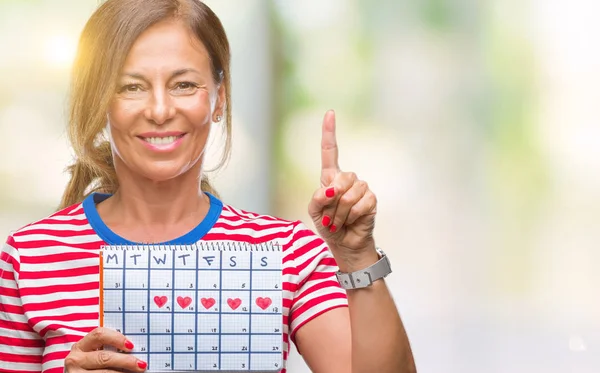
[{"x": 162, "y": 140}]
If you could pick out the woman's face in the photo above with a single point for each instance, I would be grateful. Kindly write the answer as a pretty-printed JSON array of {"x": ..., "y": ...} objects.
[{"x": 165, "y": 102}]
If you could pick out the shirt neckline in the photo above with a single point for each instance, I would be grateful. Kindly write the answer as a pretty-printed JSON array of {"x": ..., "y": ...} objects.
[{"x": 111, "y": 238}]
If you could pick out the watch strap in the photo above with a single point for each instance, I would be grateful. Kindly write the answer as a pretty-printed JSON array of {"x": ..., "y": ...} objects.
[{"x": 365, "y": 277}]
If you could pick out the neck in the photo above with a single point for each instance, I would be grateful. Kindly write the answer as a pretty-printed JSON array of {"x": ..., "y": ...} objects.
[
  {"x": 167, "y": 206},
  {"x": 159, "y": 204}
]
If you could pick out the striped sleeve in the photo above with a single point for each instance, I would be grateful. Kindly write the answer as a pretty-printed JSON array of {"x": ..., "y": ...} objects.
[
  {"x": 21, "y": 348},
  {"x": 318, "y": 290}
]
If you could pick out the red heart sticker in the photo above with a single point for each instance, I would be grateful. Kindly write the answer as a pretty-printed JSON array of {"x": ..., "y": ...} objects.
[
  {"x": 160, "y": 301},
  {"x": 184, "y": 302},
  {"x": 207, "y": 302},
  {"x": 234, "y": 303},
  {"x": 263, "y": 302}
]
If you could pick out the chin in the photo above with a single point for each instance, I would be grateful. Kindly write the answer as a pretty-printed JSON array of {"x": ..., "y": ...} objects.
[
  {"x": 163, "y": 173},
  {"x": 157, "y": 171}
]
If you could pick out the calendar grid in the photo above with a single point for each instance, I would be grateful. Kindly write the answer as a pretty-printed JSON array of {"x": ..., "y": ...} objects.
[
  {"x": 215, "y": 269},
  {"x": 237, "y": 312},
  {"x": 180, "y": 313}
]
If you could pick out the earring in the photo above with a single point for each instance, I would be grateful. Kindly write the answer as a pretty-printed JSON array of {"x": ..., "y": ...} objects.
[{"x": 219, "y": 117}]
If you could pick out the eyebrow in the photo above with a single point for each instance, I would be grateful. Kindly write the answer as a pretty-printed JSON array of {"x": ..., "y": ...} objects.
[{"x": 175, "y": 74}]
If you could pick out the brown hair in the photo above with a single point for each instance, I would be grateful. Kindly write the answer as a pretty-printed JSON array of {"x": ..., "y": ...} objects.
[{"x": 103, "y": 47}]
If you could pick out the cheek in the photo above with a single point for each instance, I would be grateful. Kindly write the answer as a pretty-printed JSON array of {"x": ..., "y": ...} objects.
[
  {"x": 122, "y": 114},
  {"x": 197, "y": 109}
]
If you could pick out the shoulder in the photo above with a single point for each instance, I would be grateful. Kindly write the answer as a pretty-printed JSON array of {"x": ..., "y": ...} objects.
[
  {"x": 242, "y": 219},
  {"x": 38, "y": 232},
  {"x": 292, "y": 234},
  {"x": 234, "y": 213},
  {"x": 58, "y": 223}
]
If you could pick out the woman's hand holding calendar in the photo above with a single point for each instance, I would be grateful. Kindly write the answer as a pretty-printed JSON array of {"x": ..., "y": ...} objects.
[
  {"x": 88, "y": 355},
  {"x": 344, "y": 208}
]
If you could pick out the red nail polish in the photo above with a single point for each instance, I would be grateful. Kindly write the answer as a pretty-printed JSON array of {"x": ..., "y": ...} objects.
[
  {"x": 332, "y": 229},
  {"x": 326, "y": 221},
  {"x": 142, "y": 364},
  {"x": 330, "y": 192},
  {"x": 128, "y": 345}
]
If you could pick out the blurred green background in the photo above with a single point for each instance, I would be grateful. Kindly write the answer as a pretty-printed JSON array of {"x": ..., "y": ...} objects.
[{"x": 475, "y": 122}]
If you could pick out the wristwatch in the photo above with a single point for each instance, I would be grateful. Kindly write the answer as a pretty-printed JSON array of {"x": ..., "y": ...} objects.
[{"x": 365, "y": 277}]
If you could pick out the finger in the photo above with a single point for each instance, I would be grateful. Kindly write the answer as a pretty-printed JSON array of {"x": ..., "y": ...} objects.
[
  {"x": 77, "y": 370},
  {"x": 100, "y": 337},
  {"x": 366, "y": 206},
  {"x": 327, "y": 176},
  {"x": 67, "y": 370},
  {"x": 105, "y": 359},
  {"x": 321, "y": 199},
  {"x": 326, "y": 196},
  {"x": 329, "y": 148},
  {"x": 346, "y": 202},
  {"x": 342, "y": 183}
]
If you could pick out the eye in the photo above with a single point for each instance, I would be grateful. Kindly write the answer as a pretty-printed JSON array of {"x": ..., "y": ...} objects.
[
  {"x": 186, "y": 86},
  {"x": 130, "y": 88}
]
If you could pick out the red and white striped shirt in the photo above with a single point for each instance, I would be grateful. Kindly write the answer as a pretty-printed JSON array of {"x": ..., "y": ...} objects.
[{"x": 49, "y": 278}]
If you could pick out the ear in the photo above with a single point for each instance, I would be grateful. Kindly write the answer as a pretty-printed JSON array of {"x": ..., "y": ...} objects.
[{"x": 220, "y": 104}]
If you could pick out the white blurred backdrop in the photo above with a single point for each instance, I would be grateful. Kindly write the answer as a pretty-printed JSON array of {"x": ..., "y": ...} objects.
[{"x": 476, "y": 123}]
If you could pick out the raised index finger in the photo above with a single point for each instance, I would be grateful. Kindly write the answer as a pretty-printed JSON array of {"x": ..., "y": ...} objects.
[{"x": 329, "y": 148}]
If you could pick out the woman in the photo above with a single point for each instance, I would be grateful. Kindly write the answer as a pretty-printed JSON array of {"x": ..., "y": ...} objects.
[{"x": 150, "y": 78}]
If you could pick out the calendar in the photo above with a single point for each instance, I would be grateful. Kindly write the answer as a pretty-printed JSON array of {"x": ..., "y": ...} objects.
[{"x": 204, "y": 307}]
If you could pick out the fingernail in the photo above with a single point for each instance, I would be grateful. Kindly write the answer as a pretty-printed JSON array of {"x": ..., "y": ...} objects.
[
  {"x": 128, "y": 345},
  {"x": 332, "y": 229},
  {"x": 142, "y": 364},
  {"x": 326, "y": 221},
  {"x": 330, "y": 192}
]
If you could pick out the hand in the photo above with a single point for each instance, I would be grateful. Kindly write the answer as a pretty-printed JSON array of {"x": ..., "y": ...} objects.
[
  {"x": 344, "y": 208},
  {"x": 86, "y": 354}
]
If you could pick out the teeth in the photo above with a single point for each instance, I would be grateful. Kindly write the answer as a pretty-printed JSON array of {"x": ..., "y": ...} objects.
[{"x": 161, "y": 140}]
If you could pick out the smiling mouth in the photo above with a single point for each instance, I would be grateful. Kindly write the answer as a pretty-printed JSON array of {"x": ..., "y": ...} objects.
[{"x": 162, "y": 140}]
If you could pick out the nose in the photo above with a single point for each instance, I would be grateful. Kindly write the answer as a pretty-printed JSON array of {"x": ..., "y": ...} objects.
[{"x": 160, "y": 108}]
